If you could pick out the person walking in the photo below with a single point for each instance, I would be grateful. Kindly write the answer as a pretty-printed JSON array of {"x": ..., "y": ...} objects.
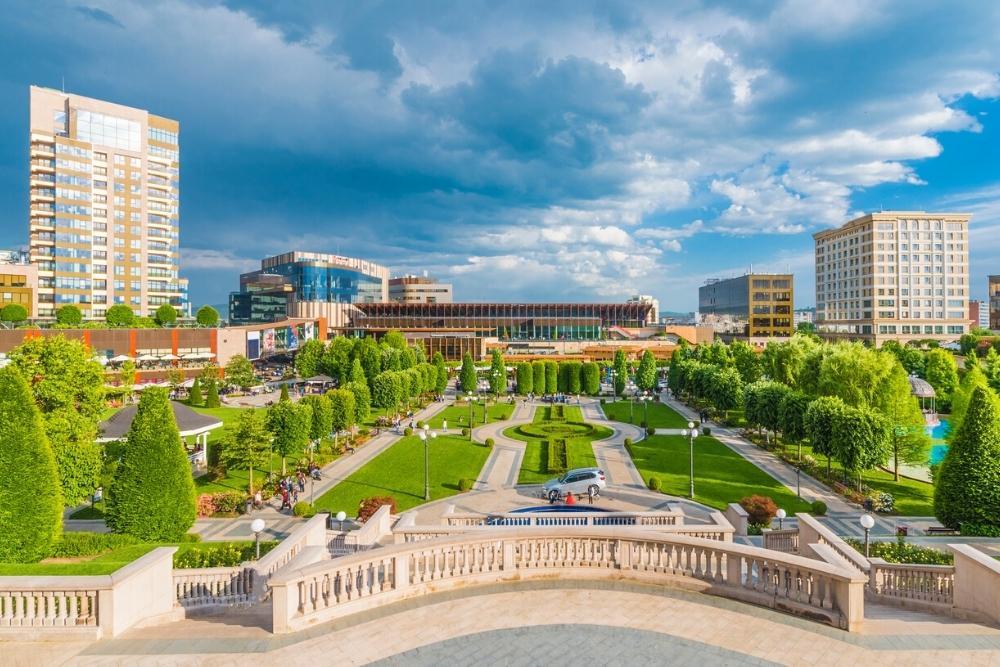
[
  {"x": 591, "y": 493},
  {"x": 284, "y": 499}
]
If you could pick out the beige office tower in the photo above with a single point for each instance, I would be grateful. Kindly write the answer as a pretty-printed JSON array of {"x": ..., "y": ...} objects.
[
  {"x": 896, "y": 275},
  {"x": 104, "y": 194}
]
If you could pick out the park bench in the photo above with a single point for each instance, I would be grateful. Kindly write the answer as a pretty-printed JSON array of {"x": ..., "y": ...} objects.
[{"x": 940, "y": 530}]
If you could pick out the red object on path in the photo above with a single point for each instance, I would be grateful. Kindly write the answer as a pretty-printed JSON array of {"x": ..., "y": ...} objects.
[{"x": 570, "y": 499}]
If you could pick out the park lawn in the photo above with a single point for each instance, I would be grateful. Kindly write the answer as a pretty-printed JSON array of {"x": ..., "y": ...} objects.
[
  {"x": 579, "y": 450},
  {"x": 457, "y": 416},
  {"x": 721, "y": 476},
  {"x": 912, "y": 497},
  {"x": 105, "y": 563},
  {"x": 660, "y": 415},
  {"x": 399, "y": 472}
]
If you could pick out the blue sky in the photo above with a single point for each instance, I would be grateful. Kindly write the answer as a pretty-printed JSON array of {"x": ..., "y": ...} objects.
[{"x": 566, "y": 150}]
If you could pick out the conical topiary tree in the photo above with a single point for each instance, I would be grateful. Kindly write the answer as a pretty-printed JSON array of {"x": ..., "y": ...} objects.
[
  {"x": 212, "y": 398},
  {"x": 284, "y": 393},
  {"x": 194, "y": 396},
  {"x": 30, "y": 494},
  {"x": 967, "y": 489},
  {"x": 152, "y": 496}
]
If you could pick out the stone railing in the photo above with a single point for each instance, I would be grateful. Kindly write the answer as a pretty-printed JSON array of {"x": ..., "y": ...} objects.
[
  {"x": 310, "y": 534},
  {"x": 452, "y": 518},
  {"x": 378, "y": 526},
  {"x": 812, "y": 531},
  {"x": 929, "y": 587},
  {"x": 214, "y": 586},
  {"x": 977, "y": 584},
  {"x": 89, "y": 607},
  {"x": 328, "y": 590},
  {"x": 785, "y": 540}
]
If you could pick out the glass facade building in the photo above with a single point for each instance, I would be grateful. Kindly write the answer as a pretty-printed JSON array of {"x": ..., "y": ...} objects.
[{"x": 751, "y": 306}]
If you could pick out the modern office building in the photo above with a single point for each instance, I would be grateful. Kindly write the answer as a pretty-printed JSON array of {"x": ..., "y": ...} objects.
[
  {"x": 804, "y": 315},
  {"x": 308, "y": 285},
  {"x": 104, "y": 205},
  {"x": 18, "y": 281},
  {"x": 654, "y": 314},
  {"x": 756, "y": 305},
  {"x": 979, "y": 314},
  {"x": 419, "y": 289},
  {"x": 994, "y": 296},
  {"x": 895, "y": 275}
]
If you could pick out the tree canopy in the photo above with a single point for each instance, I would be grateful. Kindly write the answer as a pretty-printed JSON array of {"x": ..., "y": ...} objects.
[
  {"x": 239, "y": 372},
  {"x": 247, "y": 445},
  {"x": 69, "y": 315},
  {"x": 289, "y": 424},
  {"x": 467, "y": 375},
  {"x": 165, "y": 315},
  {"x": 120, "y": 315},
  {"x": 207, "y": 316}
]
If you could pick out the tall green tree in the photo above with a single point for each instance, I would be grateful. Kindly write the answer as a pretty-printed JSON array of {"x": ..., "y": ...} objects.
[
  {"x": 367, "y": 351},
  {"x": 289, "y": 424},
  {"x": 972, "y": 379},
  {"x": 165, "y": 315},
  {"x": 358, "y": 372},
  {"x": 645, "y": 375},
  {"x": 498, "y": 374},
  {"x": 395, "y": 340},
  {"x": 69, "y": 315},
  {"x": 342, "y": 402},
  {"x": 908, "y": 437},
  {"x": 68, "y": 388},
  {"x": 321, "y": 425},
  {"x": 284, "y": 395},
  {"x": 821, "y": 416},
  {"x": 967, "y": 488},
  {"x": 861, "y": 440},
  {"x": 942, "y": 374},
  {"x": 992, "y": 362},
  {"x": 441, "y": 373},
  {"x": 195, "y": 396},
  {"x": 467, "y": 375},
  {"x": 248, "y": 445},
  {"x": 335, "y": 359},
  {"x": 782, "y": 362},
  {"x": 362, "y": 400},
  {"x": 792, "y": 415},
  {"x": 387, "y": 390},
  {"x": 746, "y": 361},
  {"x": 239, "y": 372},
  {"x": 726, "y": 389},
  {"x": 212, "y": 396},
  {"x": 620, "y": 368},
  {"x": 307, "y": 358},
  {"x": 551, "y": 377},
  {"x": 524, "y": 378},
  {"x": 29, "y": 522},
  {"x": 912, "y": 359},
  {"x": 152, "y": 496},
  {"x": 590, "y": 378},
  {"x": 207, "y": 317},
  {"x": 120, "y": 315},
  {"x": 538, "y": 376},
  {"x": 855, "y": 373}
]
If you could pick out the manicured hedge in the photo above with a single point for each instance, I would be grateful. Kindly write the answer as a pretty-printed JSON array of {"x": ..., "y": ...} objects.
[{"x": 556, "y": 460}]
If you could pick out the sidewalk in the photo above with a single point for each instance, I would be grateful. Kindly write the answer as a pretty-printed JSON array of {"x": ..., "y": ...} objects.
[
  {"x": 610, "y": 452},
  {"x": 504, "y": 463}
]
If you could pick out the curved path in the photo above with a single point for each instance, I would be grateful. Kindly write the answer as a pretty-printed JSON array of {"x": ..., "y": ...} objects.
[
  {"x": 610, "y": 452},
  {"x": 504, "y": 463}
]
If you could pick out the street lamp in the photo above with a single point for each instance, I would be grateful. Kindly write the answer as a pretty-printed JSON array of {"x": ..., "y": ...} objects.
[
  {"x": 781, "y": 514},
  {"x": 645, "y": 398},
  {"x": 426, "y": 436},
  {"x": 614, "y": 392},
  {"x": 867, "y": 521},
  {"x": 690, "y": 432},
  {"x": 257, "y": 527},
  {"x": 471, "y": 398},
  {"x": 341, "y": 515}
]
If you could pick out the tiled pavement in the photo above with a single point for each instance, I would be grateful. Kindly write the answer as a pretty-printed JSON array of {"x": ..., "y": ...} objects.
[
  {"x": 528, "y": 623},
  {"x": 610, "y": 452}
]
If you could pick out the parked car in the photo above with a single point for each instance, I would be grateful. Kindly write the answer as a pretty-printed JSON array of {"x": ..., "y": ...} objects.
[{"x": 577, "y": 481}]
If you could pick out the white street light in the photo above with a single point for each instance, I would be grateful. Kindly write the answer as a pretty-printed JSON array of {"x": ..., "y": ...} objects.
[
  {"x": 341, "y": 515},
  {"x": 689, "y": 432},
  {"x": 257, "y": 527},
  {"x": 867, "y": 522},
  {"x": 781, "y": 514},
  {"x": 425, "y": 437}
]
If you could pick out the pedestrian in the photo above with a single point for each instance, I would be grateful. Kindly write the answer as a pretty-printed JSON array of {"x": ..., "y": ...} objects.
[
  {"x": 570, "y": 498},
  {"x": 295, "y": 496},
  {"x": 591, "y": 493},
  {"x": 258, "y": 500},
  {"x": 284, "y": 499}
]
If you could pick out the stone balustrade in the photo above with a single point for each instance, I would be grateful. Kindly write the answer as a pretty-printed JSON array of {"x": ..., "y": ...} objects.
[
  {"x": 585, "y": 519},
  {"x": 214, "y": 586},
  {"x": 928, "y": 587},
  {"x": 812, "y": 531},
  {"x": 324, "y": 591},
  {"x": 309, "y": 534},
  {"x": 785, "y": 540}
]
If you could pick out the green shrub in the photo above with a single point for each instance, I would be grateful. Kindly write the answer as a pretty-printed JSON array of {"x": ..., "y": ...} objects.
[
  {"x": 901, "y": 552},
  {"x": 603, "y": 401},
  {"x": 706, "y": 430},
  {"x": 407, "y": 431},
  {"x": 817, "y": 508},
  {"x": 212, "y": 397},
  {"x": 465, "y": 484},
  {"x": 162, "y": 511},
  {"x": 31, "y": 502},
  {"x": 654, "y": 484},
  {"x": 490, "y": 442},
  {"x": 628, "y": 442},
  {"x": 194, "y": 394},
  {"x": 650, "y": 430},
  {"x": 302, "y": 508},
  {"x": 76, "y": 544},
  {"x": 980, "y": 530},
  {"x": 465, "y": 431},
  {"x": 219, "y": 554}
]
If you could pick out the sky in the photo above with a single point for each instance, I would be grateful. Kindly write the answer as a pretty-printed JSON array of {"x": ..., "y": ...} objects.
[{"x": 570, "y": 150}]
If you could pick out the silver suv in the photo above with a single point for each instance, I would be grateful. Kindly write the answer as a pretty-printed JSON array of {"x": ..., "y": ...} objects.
[{"x": 577, "y": 481}]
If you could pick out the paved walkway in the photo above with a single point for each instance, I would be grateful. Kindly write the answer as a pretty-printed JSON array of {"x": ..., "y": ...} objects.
[
  {"x": 504, "y": 463},
  {"x": 610, "y": 452},
  {"x": 545, "y": 622}
]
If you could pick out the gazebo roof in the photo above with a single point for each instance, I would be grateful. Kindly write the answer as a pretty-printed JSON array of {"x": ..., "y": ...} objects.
[
  {"x": 188, "y": 421},
  {"x": 921, "y": 388},
  {"x": 319, "y": 379}
]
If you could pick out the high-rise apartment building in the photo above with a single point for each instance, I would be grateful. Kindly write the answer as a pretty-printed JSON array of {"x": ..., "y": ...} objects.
[
  {"x": 895, "y": 275},
  {"x": 419, "y": 289},
  {"x": 104, "y": 198},
  {"x": 757, "y": 305},
  {"x": 994, "y": 296},
  {"x": 979, "y": 314}
]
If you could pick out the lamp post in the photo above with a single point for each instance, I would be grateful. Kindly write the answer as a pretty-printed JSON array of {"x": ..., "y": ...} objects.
[
  {"x": 341, "y": 515},
  {"x": 645, "y": 398},
  {"x": 257, "y": 527},
  {"x": 471, "y": 398},
  {"x": 781, "y": 514},
  {"x": 614, "y": 394},
  {"x": 690, "y": 432},
  {"x": 426, "y": 435},
  {"x": 867, "y": 521}
]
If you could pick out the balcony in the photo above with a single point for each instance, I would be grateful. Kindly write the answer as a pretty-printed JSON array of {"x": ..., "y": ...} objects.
[
  {"x": 43, "y": 194},
  {"x": 43, "y": 208},
  {"x": 42, "y": 179},
  {"x": 40, "y": 164},
  {"x": 43, "y": 150}
]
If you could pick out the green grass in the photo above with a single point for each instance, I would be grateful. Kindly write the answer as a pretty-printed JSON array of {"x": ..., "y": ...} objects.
[
  {"x": 721, "y": 476},
  {"x": 399, "y": 472},
  {"x": 457, "y": 416},
  {"x": 106, "y": 563},
  {"x": 660, "y": 415},
  {"x": 579, "y": 449},
  {"x": 913, "y": 497}
]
